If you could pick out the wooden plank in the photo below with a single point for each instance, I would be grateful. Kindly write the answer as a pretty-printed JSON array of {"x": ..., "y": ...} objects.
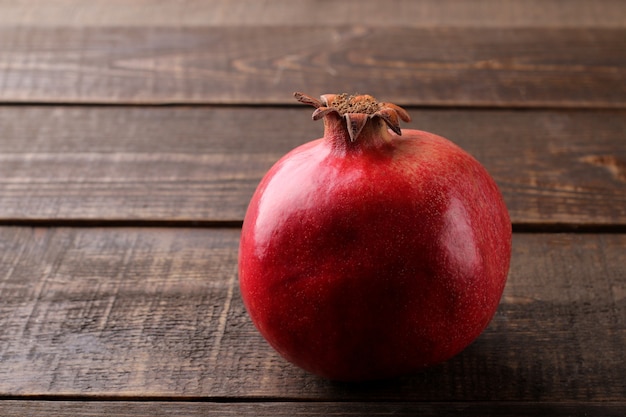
[
  {"x": 149, "y": 313},
  {"x": 202, "y": 164},
  {"x": 435, "y": 66},
  {"x": 187, "y": 13},
  {"x": 289, "y": 409}
]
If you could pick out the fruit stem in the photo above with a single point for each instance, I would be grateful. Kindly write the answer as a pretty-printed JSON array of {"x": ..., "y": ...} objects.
[{"x": 348, "y": 118}]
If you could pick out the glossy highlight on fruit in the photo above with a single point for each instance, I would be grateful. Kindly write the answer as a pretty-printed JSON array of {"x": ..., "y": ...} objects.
[{"x": 374, "y": 251}]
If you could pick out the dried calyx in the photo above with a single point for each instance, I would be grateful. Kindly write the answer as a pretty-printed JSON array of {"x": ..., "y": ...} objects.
[{"x": 356, "y": 110}]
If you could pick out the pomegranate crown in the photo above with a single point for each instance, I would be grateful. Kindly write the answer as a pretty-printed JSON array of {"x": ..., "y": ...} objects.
[{"x": 356, "y": 110}]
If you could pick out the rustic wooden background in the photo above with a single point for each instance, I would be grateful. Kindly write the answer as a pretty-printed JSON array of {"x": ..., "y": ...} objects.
[{"x": 133, "y": 133}]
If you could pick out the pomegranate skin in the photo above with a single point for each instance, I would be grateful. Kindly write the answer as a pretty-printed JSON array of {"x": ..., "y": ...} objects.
[{"x": 370, "y": 262}]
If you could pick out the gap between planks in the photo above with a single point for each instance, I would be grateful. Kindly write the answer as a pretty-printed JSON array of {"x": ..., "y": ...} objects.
[{"x": 237, "y": 224}]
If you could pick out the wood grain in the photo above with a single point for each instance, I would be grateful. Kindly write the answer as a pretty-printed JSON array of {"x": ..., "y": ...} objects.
[
  {"x": 436, "y": 66},
  {"x": 290, "y": 409},
  {"x": 156, "y": 313},
  {"x": 119, "y": 217},
  {"x": 403, "y": 13},
  {"x": 186, "y": 164}
]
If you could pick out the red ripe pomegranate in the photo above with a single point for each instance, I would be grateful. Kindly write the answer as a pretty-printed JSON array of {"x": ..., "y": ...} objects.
[{"x": 373, "y": 251}]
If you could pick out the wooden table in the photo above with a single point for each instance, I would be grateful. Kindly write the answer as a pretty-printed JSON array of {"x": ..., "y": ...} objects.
[{"x": 133, "y": 133}]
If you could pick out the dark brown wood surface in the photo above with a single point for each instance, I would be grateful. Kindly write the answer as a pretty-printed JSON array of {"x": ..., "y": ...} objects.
[
  {"x": 202, "y": 164},
  {"x": 133, "y": 133},
  {"x": 397, "y": 13},
  {"x": 139, "y": 312},
  {"x": 502, "y": 67},
  {"x": 321, "y": 409}
]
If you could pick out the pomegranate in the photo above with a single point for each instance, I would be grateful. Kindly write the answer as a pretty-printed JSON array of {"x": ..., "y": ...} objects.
[{"x": 374, "y": 251}]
